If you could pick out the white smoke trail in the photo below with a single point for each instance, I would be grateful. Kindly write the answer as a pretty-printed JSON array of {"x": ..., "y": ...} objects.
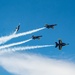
[
  {"x": 23, "y": 48},
  {"x": 13, "y": 44},
  {"x": 28, "y": 32},
  {"x": 27, "y": 64},
  {"x": 7, "y": 38},
  {"x": 15, "y": 32},
  {"x": 4, "y": 39}
]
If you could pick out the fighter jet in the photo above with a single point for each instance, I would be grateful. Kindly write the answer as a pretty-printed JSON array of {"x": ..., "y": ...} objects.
[
  {"x": 50, "y": 26},
  {"x": 60, "y": 44},
  {"x": 17, "y": 28},
  {"x": 36, "y": 37}
]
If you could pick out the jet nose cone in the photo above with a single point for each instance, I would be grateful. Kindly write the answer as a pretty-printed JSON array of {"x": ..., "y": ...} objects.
[
  {"x": 55, "y": 24},
  {"x": 67, "y": 44}
]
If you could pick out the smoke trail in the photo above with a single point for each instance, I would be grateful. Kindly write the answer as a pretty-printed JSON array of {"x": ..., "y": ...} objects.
[
  {"x": 15, "y": 32},
  {"x": 28, "y": 32},
  {"x": 28, "y": 64},
  {"x": 13, "y": 44},
  {"x": 23, "y": 48},
  {"x": 7, "y": 38}
]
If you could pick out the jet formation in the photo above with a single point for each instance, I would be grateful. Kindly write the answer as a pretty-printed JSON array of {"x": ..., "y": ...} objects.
[{"x": 58, "y": 44}]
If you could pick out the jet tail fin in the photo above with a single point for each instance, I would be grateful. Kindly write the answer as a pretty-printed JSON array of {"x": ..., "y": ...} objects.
[{"x": 56, "y": 45}]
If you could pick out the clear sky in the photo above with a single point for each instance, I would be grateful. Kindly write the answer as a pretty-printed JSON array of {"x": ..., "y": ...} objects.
[{"x": 33, "y": 14}]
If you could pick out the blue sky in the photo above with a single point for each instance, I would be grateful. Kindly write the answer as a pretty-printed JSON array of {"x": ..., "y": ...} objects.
[{"x": 33, "y": 14}]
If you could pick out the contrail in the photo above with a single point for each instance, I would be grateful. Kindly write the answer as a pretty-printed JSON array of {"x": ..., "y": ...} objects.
[
  {"x": 7, "y": 38},
  {"x": 28, "y": 32},
  {"x": 13, "y": 44},
  {"x": 24, "y": 48},
  {"x": 15, "y": 32}
]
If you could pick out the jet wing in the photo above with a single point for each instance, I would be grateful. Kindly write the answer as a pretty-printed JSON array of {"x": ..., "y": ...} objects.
[
  {"x": 60, "y": 47},
  {"x": 60, "y": 41}
]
